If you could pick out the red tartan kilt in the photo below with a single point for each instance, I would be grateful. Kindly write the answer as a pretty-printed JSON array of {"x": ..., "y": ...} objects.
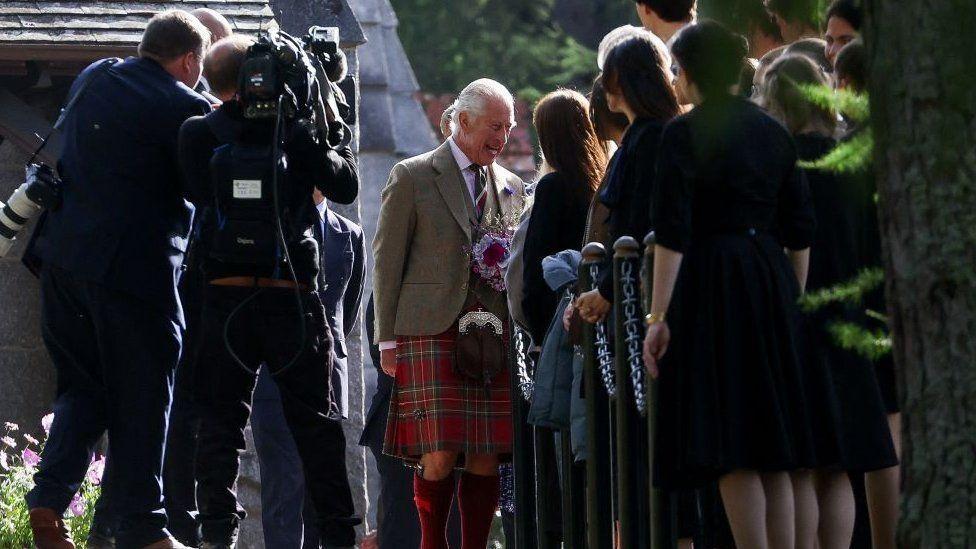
[{"x": 433, "y": 409}]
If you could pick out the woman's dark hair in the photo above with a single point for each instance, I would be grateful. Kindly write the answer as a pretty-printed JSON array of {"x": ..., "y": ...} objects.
[
  {"x": 851, "y": 65},
  {"x": 792, "y": 11},
  {"x": 711, "y": 55},
  {"x": 605, "y": 122},
  {"x": 813, "y": 49},
  {"x": 848, "y": 10},
  {"x": 746, "y": 76},
  {"x": 569, "y": 143},
  {"x": 785, "y": 100},
  {"x": 636, "y": 69},
  {"x": 672, "y": 11}
]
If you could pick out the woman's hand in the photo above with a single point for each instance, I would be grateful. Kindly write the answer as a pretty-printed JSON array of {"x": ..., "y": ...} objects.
[
  {"x": 568, "y": 316},
  {"x": 593, "y": 308},
  {"x": 655, "y": 345}
]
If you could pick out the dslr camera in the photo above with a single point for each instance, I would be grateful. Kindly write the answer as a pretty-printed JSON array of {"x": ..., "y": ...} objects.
[{"x": 41, "y": 190}]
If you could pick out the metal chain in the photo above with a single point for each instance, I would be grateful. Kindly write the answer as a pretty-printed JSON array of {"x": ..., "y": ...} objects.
[
  {"x": 604, "y": 354},
  {"x": 633, "y": 329},
  {"x": 524, "y": 370}
]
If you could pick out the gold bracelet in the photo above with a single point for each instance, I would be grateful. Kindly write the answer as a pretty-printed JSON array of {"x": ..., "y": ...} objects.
[{"x": 654, "y": 318}]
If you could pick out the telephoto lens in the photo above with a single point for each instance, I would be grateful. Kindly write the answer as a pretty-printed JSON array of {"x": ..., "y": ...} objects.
[{"x": 41, "y": 190}]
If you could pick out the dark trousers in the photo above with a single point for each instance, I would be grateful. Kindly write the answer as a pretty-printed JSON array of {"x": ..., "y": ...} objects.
[
  {"x": 287, "y": 516},
  {"x": 266, "y": 328},
  {"x": 179, "y": 486},
  {"x": 115, "y": 356}
]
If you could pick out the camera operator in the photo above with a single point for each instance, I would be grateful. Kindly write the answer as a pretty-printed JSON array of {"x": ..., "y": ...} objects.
[
  {"x": 111, "y": 254},
  {"x": 266, "y": 314}
]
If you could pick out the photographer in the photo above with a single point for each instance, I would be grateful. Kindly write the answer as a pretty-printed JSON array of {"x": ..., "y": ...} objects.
[
  {"x": 260, "y": 310},
  {"x": 111, "y": 254}
]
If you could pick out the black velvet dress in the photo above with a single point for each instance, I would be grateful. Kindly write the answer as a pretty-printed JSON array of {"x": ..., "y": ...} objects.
[
  {"x": 848, "y": 412},
  {"x": 731, "y": 393}
]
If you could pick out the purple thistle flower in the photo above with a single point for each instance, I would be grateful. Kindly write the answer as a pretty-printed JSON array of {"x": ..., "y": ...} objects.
[
  {"x": 30, "y": 457},
  {"x": 96, "y": 470},
  {"x": 77, "y": 506}
]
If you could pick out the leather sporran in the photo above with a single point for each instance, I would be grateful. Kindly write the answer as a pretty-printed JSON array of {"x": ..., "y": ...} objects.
[{"x": 479, "y": 353}]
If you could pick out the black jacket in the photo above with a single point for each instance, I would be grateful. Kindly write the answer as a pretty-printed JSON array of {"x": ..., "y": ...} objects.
[
  {"x": 123, "y": 221},
  {"x": 557, "y": 223},
  {"x": 311, "y": 164}
]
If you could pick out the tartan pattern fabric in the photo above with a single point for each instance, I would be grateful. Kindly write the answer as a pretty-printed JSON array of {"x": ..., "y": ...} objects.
[{"x": 433, "y": 409}]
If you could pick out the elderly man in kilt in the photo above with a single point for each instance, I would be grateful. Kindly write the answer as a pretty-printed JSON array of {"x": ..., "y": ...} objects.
[{"x": 441, "y": 313}]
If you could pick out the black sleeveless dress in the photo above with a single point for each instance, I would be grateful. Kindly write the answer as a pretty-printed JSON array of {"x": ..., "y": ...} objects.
[
  {"x": 848, "y": 411},
  {"x": 731, "y": 393}
]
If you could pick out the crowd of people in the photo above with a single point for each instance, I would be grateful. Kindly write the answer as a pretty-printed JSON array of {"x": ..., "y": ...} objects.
[{"x": 690, "y": 131}]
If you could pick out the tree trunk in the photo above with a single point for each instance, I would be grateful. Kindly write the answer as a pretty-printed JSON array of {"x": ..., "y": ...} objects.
[{"x": 923, "y": 93}]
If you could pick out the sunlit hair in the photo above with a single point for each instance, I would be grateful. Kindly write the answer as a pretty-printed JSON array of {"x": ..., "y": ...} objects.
[
  {"x": 618, "y": 35},
  {"x": 637, "y": 69},
  {"x": 475, "y": 96},
  {"x": 711, "y": 56},
  {"x": 446, "y": 128},
  {"x": 785, "y": 100},
  {"x": 568, "y": 141},
  {"x": 606, "y": 122}
]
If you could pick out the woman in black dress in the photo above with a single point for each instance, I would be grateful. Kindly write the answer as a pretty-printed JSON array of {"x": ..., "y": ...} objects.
[
  {"x": 849, "y": 414},
  {"x": 728, "y": 199},
  {"x": 572, "y": 150},
  {"x": 637, "y": 83}
]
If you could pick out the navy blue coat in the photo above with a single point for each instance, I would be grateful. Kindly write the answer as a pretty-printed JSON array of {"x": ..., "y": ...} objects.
[
  {"x": 124, "y": 222},
  {"x": 374, "y": 429},
  {"x": 342, "y": 268}
]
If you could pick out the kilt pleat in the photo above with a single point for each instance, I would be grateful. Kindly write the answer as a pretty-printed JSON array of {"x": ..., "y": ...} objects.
[{"x": 434, "y": 409}]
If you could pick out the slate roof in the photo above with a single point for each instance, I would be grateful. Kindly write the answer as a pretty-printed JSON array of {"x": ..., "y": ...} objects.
[{"x": 28, "y": 27}]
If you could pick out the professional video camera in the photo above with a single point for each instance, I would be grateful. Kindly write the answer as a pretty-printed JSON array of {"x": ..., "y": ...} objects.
[
  {"x": 301, "y": 74},
  {"x": 40, "y": 191}
]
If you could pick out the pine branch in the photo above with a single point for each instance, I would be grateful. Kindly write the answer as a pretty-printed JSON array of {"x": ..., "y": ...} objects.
[
  {"x": 851, "y": 292},
  {"x": 851, "y": 156},
  {"x": 855, "y": 106},
  {"x": 871, "y": 344}
]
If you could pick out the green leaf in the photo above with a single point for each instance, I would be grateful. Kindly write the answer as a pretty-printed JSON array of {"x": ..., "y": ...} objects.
[
  {"x": 855, "y": 106},
  {"x": 871, "y": 344},
  {"x": 851, "y": 292},
  {"x": 851, "y": 156}
]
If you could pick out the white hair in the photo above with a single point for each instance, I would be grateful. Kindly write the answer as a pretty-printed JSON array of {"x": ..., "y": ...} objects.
[
  {"x": 475, "y": 96},
  {"x": 619, "y": 34}
]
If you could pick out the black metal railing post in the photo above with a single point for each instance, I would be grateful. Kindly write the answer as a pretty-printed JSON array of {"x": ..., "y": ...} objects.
[
  {"x": 662, "y": 516},
  {"x": 523, "y": 451},
  {"x": 631, "y": 435},
  {"x": 599, "y": 500}
]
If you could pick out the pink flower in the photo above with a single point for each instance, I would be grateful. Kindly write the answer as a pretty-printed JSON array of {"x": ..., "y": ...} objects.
[
  {"x": 31, "y": 439},
  {"x": 11, "y": 426},
  {"x": 494, "y": 254},
  {"x": 9, "y": 441},
  {"x": 31, "y": 459},
  {"x": 46, "y": 422},
  {"x": 96, "y": 470},
  {"x": 77, "y": 506},
  {"x": 3, "y": 460}
]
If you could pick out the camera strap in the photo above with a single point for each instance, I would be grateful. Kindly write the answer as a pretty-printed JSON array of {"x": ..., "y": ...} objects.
[{"x": 99, "y": 68}]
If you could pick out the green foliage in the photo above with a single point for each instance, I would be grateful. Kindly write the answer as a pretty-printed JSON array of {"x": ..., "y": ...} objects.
[
  {"x": 871, "y": 344},
  {"x": 851, "y": 292},
  {"x": 518, "y": 43},
  {"x": 854, "y": 106},
  {"x": 18, "y": 463},
  {"x": 851, "y": 156}
]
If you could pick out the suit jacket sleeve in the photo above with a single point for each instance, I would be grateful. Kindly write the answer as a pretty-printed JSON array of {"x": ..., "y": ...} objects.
[
  {"x": 391, "y": 246},
  {"x": 354, "y": 291}
]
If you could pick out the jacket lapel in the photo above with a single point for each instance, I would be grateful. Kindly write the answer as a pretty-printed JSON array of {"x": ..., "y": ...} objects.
[
  {"x": 451, "y": 185},
  {"x": 504, "y": 196}
]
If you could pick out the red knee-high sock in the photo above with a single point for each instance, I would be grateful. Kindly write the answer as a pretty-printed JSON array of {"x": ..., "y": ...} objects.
[
  {"x": 477, "y": 500},
  {"x": 433, "y": 499}
]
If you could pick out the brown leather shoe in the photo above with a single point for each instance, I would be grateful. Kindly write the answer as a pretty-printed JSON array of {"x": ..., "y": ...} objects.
[
  {"x": 49, "y": 530},
  {"x": 167, "y": 543}
]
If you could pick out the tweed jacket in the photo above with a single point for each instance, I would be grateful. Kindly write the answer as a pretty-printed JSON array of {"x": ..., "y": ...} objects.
[{"x": 422, "y": 276}]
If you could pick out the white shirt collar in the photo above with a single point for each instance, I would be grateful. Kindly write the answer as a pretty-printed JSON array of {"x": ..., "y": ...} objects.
[
  {"x": 462, "y": 159},
  {"x": 322, "y": 207}
]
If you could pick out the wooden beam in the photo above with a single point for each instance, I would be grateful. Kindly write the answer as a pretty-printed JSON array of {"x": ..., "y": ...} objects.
[
  {"x": 83, "y": 53},
  {"x": 21, "y": 124}
]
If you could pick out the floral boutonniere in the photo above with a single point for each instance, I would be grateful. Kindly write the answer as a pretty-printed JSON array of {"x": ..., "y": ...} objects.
[{"x": 492, "y": 251}]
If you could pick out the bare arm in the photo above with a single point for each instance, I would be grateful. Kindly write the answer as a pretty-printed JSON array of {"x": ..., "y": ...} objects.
[{"x": 667, "y": 262}]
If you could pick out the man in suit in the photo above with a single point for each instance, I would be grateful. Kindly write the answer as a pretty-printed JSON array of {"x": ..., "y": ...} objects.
[
  {"x": 444, "y": 411},
  {"x": 286, "y": 517},
  {"x": 111, "y": 254}
]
